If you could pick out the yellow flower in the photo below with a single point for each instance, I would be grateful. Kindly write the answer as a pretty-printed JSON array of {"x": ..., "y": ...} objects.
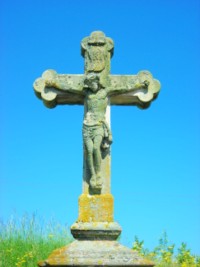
[{"x": 50, "y": 235}]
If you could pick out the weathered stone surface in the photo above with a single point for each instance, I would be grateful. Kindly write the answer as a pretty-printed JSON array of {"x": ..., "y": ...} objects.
[
  {"x": 97, "y": 49},
  {"x": 51, "y": 96},
  {"x": 95, "y": 220},
  {"x": 95, "y": 253},
  {"x": 122, "y": 92},
  {"x": 96, "y": 230},
  {"x": 96, "y": 208}
]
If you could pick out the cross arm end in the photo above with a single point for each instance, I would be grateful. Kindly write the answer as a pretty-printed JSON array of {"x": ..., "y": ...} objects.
[
  {"x": 139, "y": 90},
  {"x": 56, "y": 89}
]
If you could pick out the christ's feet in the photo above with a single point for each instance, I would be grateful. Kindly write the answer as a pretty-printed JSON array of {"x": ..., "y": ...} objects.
[{"x": 96, "y": 183}]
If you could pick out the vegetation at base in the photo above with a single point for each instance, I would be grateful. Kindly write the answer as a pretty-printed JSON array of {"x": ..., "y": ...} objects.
[
  {"x": 25, "y": 241},
  {"x": 163, "y": 255}
]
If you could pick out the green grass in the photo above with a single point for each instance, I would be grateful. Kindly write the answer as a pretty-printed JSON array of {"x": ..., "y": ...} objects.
[{"x": 27, "y": 240}]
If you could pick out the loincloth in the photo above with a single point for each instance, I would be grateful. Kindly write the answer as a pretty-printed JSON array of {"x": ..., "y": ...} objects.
[{"x": 91, "y": 131}]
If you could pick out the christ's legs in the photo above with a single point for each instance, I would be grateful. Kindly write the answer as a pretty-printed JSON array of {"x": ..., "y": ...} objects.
[
  {"x": 97, "y": 158},
  {"x": 89, "y": 151},
  {"x": 92, "y": 137}
]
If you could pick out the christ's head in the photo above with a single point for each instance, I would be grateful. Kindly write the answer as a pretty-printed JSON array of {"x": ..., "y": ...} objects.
[{"x": 92, "y": 81}]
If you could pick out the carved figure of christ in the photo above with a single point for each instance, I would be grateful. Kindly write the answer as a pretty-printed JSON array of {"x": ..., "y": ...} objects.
[{"x": 96, "y": 89}]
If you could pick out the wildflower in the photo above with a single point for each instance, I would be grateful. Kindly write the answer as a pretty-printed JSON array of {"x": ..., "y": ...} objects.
[{"x": 50, "y": 235}]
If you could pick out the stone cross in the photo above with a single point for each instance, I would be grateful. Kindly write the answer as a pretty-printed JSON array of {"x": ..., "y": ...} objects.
[{"x": 96, "y": 89}]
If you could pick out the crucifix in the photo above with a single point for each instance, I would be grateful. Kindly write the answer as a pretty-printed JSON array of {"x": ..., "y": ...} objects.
[{"x": 96, "y": 89}]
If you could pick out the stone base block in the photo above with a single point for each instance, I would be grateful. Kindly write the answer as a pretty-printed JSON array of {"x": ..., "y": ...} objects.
[
  {"x": 95, "y": 254},
  {"x": 96, "y": 230},
  {"x": 96, "y": 208}
]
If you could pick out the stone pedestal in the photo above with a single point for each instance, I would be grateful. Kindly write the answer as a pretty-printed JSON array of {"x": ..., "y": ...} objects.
[
  {"x": 95, "y": 235},
  {"x": 95, "y": 253}
]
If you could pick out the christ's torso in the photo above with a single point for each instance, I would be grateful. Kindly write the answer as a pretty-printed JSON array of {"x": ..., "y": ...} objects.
[{"x": 96, "y": 104}]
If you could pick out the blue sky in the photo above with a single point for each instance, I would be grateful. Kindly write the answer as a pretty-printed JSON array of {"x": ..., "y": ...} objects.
[{"x": 156, "y": 152}]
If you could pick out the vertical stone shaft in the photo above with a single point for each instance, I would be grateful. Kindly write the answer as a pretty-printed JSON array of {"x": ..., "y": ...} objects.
[{"x": 97, "y": 207}]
